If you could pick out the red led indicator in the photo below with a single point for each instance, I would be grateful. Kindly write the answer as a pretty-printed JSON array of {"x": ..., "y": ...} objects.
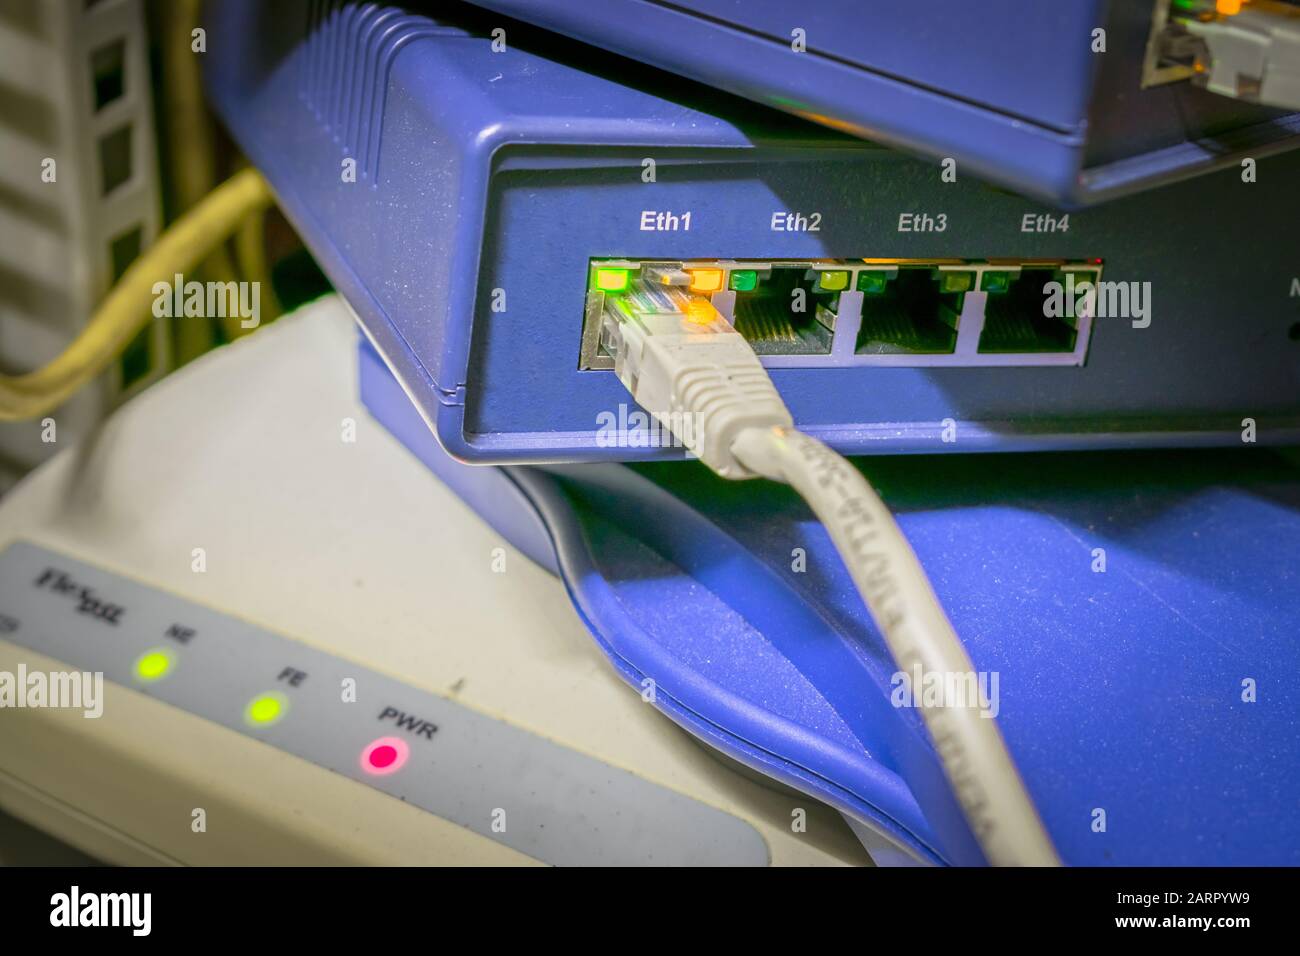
[{"x": 385, "y": 755}]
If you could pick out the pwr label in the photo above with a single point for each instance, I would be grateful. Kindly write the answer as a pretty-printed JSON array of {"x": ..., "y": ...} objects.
[{"x": 409, "y": 722}]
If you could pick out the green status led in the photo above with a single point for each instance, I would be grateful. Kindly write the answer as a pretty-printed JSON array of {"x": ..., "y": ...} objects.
[
  {"x": 744, "y": 280},
  {"x": 833, "y": 281},
  {"x": 154, "y": 664},
  {"x": 995, "y": 282},
  {"x": 611, "y": 280},
  {"x": 872, "y": 283},
  {"x": 266, "y": 709},
  {"x": 956, "y": 281}
]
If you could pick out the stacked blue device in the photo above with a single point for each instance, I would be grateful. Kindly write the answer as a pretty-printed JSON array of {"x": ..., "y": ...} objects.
[{"x": 1060, "y": 100}]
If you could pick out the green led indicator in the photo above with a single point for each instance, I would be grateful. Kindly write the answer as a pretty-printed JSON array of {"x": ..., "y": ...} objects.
[
  {"x": 611, "y": 280},
  {"x": 833, "y": 281},
  {"x": 154, "y": 664},
  {"x": 995, "y": 282},
  {"x": 956, "y": 281},
  {"x": 266, "y": 709},
  {"x": 872, "y": 283},
  {"x": 744, "y": 280}
]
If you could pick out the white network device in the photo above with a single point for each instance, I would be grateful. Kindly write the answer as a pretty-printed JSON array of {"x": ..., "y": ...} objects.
[{"x": 314, "y": 648}]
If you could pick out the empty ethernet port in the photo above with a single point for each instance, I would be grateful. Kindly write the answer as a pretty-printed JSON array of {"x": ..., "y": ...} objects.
[
  {"x": 788, "y": 312},
  {"x": 912, "y": 311},
  {"x": 1016, "y": 316}
]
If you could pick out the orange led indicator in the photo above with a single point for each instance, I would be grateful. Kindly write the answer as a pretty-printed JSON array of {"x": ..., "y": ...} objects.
[{"x": 706, "y": 280}]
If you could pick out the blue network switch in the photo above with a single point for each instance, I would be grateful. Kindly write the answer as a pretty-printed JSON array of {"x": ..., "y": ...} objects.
[
  {"x": 1072, "y": 101},
  {"x": 481, "y": 201}
]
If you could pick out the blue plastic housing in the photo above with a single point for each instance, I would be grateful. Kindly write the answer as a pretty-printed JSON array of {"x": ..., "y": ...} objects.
[
  {"x": 1014, "y": 90},
  {"x": 456, "y": 186},
  {"x": 1154, "y": 686}
]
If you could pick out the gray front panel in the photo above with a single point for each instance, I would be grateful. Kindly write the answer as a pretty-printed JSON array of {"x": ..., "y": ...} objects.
[{"x": 557, "y": 805}]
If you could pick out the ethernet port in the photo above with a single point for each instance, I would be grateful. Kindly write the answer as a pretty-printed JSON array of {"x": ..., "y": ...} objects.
[
  {"x": 913, "y": 312},
  {"x": 787, "y": 313},
  {"x": 1016, "y": 319}
]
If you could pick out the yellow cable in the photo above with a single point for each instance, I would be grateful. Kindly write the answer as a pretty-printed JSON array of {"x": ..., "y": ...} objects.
[
  {"x": 250, "y": 253},
  {"x": 129, "y": 304},
  {"x": 192, "y": 158}
]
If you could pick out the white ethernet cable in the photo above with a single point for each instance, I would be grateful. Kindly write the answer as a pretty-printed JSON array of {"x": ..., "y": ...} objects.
[{"x": 686, "y": 365}]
